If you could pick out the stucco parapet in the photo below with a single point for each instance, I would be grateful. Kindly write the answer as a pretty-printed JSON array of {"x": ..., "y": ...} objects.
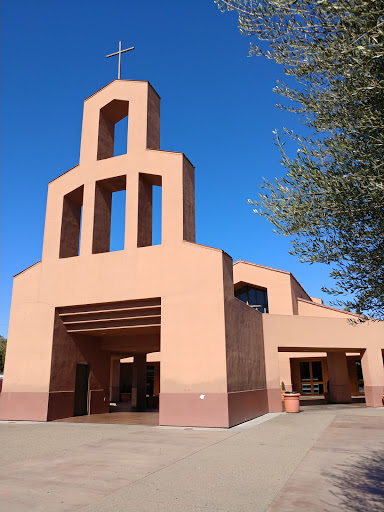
[
  {"x": 242, "y": 262},
  {"x": 62, "y": 174},
  {"x": 172, "y": 153},
  {"x": 26, "y": 269},
  {"x": 105, "y": 164},
  {"x": 123, "y": 80},
  {"x": 272, "y": 269},
  {"x": 316, "y": 304},
  {"x": 208, "y": 247}
]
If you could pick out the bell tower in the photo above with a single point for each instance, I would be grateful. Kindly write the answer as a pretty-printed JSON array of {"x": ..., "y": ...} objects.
[
  {"x": 86, "y": 196},
  {"x": 85, "y": 307}
]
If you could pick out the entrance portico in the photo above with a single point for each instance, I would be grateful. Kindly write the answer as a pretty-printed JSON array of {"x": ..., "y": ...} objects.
[{"x": 334, "y": 336}]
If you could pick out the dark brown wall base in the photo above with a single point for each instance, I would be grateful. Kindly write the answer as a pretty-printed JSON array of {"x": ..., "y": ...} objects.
[
  {"x": 99, "y": 401},
  {"x": 246, "y": 405},
  {"x": 24, "y": 406},
  {"x": 60, "y": 405}
]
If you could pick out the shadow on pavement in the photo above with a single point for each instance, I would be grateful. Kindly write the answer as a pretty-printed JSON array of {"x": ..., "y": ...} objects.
[{"x": 359, "y": 484}]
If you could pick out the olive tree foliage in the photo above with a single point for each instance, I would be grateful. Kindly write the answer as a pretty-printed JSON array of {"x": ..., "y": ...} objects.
[
  {"x": 331, "y": 199},
  {"x": 3, "y": 349}
]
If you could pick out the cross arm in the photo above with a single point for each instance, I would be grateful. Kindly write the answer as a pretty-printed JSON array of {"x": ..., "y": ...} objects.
[{"x": 122, "y": 51}]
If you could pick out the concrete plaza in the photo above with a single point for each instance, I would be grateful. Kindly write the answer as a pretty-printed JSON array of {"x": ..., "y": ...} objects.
[{"x": 323, "y": 459}]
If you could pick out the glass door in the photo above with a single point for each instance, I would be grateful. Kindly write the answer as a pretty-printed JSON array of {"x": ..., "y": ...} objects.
[
  {"x": 360, "y": 379},
  {"x": 311, "y": 378}
]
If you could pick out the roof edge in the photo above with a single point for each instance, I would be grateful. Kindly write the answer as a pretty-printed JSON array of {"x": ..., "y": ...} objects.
[
  {"x": 22, "y": 271},
  {"x": 275, "y": 270},
  {"x": 328, "y": 307},
  {"x": 123, "y": 80},
  {"x": 216, "y": 249},
  {"x": 62, "y": 174},
  {"x": 262, "y": 266}
]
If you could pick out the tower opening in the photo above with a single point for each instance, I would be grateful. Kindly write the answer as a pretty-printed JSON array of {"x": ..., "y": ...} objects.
[
  {"x": 71, "y": 223},
  {"x": 113, "y": 130},
  {"x": 156, "y": 214},
  {"x": 108, "y": 231},
  {"x": 121, "y": 137},
  {"x": 117, "y": 221},
  {"x": 150, "y": 207}
]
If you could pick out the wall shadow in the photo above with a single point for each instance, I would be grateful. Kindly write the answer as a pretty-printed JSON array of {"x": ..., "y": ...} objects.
[{"x": 359, "y": 485}]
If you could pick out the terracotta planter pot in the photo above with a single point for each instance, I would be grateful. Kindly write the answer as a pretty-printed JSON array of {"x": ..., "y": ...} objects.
[{"x": 292, "y": 402}]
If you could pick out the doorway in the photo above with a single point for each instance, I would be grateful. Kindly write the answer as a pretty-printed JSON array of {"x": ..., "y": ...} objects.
[
  {"x": 81, "y": 390},
  {"x": 152, "y": 386},
  {"x": 356, "y": 378},
  {"x": 312, "y": 378}
]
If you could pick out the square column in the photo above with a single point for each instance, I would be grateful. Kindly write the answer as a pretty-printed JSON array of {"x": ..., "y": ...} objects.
[
  {"x": 115, "y": 380},
  {"x": 373, "y": 374},
  {"x": 339, "y": 387},
  {"x": 139, "y": 382}
]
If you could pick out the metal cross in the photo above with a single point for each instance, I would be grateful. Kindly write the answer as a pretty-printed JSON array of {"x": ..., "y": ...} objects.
[{"x": 119, "y": 54}]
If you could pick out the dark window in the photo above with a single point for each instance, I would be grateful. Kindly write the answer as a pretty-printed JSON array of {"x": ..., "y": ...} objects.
[
  {"x": 255, "y": 297},
  {"x": 304, "y": 371},
  {"x": 317, "y": 372},
  {"x": 252, "y": 297},
  {"x": 359, "y": 370},
  {"x": 261, "y": 297},
  {"x": 243, "y": 296}
]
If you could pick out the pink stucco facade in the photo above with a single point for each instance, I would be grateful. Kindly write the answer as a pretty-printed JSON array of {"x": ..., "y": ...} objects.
[{"x": 82, "y": 308}]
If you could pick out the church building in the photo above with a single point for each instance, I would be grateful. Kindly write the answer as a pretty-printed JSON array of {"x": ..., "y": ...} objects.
[{"x": 205, "y": 359}]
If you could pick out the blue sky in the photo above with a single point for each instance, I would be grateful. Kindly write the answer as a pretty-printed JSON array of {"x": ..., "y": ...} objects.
[{"x": 217, "y": 107}]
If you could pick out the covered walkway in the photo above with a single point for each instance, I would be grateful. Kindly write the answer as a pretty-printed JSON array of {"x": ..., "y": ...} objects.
[
  {"x": 120, "y": 414},
  {"x": 123, "y": 414}
]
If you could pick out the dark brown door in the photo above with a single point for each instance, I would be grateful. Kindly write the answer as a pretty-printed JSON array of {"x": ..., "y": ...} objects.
[
  {"x": 312, "y": 377},
  {"x": 81, "y": 390}
]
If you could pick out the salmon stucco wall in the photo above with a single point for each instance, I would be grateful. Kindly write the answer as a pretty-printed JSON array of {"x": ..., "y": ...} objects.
[
  {"x": 247, "y": 395},
  {"x": 309, "y": 308},
  {"x": 297, "y": 292},
  {"x": 276, "y": 282},
  {"x": 28, "y": 362}
]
